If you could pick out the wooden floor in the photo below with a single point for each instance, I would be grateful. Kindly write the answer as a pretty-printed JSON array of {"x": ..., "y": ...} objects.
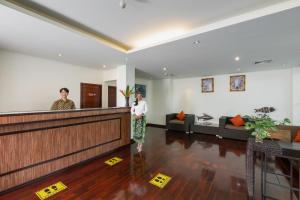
[{"x": 201, "y": 167}]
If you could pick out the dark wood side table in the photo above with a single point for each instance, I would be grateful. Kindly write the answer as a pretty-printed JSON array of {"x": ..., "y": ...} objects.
[{"x": 268, "y": 148}]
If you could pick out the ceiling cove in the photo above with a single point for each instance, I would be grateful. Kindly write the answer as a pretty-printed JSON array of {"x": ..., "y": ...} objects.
[
  {"x": 42, "y": 12},
  {"x": 58, "y": 19}
]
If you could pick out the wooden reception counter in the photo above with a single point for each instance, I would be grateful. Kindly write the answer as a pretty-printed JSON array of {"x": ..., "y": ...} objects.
[{"x": 36, "y": 144}]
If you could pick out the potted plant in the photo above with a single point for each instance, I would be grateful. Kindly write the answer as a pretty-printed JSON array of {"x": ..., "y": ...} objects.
[
  {"x": 127, "y": 93},
  {"x": 262, "y": 125}
]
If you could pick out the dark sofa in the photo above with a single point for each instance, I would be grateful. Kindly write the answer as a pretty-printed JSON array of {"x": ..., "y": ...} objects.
[
  {"x": 172, "y": 123},
  {"x": 228, "y": 130}
]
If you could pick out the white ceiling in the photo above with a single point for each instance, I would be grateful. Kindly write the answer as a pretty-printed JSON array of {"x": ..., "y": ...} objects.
[
  {"x": 273, "y": 37},
  {"x": 270, "y": 37},
  {"x": 23, "y": 33},
  {"x": 140, "y": 20}
]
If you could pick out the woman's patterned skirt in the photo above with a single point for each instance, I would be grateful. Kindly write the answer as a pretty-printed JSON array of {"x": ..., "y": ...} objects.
[{"x": 139, "y": 129}]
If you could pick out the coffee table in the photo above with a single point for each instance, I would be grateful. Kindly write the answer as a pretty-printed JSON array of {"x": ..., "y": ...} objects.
[{"x": 211, "y": 128}]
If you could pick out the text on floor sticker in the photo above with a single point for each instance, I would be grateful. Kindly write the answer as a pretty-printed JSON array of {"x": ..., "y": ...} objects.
[
  {"x": 51, "y": 190},
  {"x": 113, "y": 161},
  {"x": 160, "y": 180}
]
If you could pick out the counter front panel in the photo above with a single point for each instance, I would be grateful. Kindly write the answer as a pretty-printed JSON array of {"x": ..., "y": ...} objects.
[{"x": 34, "y": 148}]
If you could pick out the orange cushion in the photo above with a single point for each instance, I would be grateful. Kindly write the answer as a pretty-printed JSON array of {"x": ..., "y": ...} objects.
[
  {"x": 237, "y": 121},
  {"x": 297, "y": 138},
  {"x": 180, "y": 116}
]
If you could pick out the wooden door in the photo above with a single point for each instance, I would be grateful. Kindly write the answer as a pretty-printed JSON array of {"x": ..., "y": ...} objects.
[
  {"x": 112, "y": 96},
  {"x": 91, "y": 95}
]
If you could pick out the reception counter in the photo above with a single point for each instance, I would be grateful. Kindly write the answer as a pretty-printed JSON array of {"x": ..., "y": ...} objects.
[{"x": 35, "y": 144}]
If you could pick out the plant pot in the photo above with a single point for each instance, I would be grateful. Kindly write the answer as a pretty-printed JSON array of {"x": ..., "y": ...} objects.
[{"x": 127, "y": 101}]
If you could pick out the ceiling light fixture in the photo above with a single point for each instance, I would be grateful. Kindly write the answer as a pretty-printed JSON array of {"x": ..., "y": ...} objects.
[
  {"x": 103, "y": 66},
  {"x": 123, "y": 4},
  {"x": 197, "y": 42},
  {"x": 165, "y": 69},
  {"x": 60, "y": 55},
  {"x": 237, "y": 58}
]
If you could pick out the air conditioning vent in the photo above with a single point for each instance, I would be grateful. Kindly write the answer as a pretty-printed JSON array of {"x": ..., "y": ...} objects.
[{"x": 262, "y": 62}]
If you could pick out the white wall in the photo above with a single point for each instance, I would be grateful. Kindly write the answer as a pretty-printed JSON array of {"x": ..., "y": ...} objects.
[
  {"x": 149, "y": 96},
  {"x": 32, "y": 83},
  {"x": 108, "y": 77},
  {"x": 271, "y": 88},
  {"x": 125, "y": 76},
  {"x": 266, "y": 88},
  {"x": 105, "y": 85},
  {"x": 296, "y": 95}
]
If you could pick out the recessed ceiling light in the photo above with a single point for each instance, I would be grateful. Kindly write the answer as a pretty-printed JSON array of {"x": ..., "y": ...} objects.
[
  {"x": 103, "y": 66},
  {"x": 165, "y": 69},
  {"x": 197, "y": 42},
  {"x": 237, "y": 58},
  {"x": 60, "y": 55}
]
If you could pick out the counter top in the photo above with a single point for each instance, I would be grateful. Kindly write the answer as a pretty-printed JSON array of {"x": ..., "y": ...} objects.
[
  {"x": 35, "y": 116},
  {"x": 14, "y": 113}
]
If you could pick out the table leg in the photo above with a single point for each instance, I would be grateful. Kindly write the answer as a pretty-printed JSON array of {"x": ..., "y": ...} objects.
[
  {"x": 291, "y": 179},
  {"x": 250, "y": 170},
  {"x": 265, "y": 176}
]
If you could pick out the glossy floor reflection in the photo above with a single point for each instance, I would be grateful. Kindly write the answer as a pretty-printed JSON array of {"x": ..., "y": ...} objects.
[{"x": 201, "y": 167}]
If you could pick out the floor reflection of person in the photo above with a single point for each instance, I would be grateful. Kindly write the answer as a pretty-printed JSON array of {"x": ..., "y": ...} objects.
[
  {"x": 139, "y": 165},
  {"x": 138, "y": 112},
  {"x": 63, "y": 103}
]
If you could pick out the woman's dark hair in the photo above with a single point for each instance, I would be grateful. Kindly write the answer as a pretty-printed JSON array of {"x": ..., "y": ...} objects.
[
  {"x": 136, "y": 100},
  {"x": 64, "y": 89}
]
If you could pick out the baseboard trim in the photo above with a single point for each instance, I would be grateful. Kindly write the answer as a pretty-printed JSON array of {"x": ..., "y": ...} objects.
[
  {"x": 84, "y": 162},
  {"x": 156, "y": 125}
]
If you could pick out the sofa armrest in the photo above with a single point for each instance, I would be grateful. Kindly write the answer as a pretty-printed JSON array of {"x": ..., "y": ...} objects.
[
  {"x": 170, "y": 117},
  {"x": 188, "y": 122},
  {"x": 189, "y": 119},
  {"x": 222, "y": 122}
]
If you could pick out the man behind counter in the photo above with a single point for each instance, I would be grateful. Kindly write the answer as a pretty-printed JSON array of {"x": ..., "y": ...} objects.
[{"x": 64, "y": 103}]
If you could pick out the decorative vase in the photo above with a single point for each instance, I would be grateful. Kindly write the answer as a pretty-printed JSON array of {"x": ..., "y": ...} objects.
[{"x": 127, "y": 101}]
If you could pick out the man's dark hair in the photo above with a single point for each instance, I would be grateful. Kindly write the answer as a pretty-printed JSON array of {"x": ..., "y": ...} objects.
[{"x": 64, "y": 89}]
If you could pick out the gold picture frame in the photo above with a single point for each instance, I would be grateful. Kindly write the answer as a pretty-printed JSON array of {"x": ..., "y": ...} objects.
[
  {"x": 207, "y": 85},
  {"x": 238, "y": 83}
]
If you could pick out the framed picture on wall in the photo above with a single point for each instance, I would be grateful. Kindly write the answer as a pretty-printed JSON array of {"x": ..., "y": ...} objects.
[
  {"x": 141, "y": 89},
  {"x": 237, "y": 83},
  {"x": 207, "y": 85}
]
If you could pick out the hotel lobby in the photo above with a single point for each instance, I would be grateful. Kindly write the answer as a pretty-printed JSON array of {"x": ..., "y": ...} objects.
[{"x": 148, "y": 99}]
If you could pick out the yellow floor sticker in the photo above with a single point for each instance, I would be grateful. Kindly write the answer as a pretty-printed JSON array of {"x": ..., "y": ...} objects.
[
  {"x": 51, "y": 190},
  {"x": 113, "y": 161},
  {"x": 160, "y": 180}
]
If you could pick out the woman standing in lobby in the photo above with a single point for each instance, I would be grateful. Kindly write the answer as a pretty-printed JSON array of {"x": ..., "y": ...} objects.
[{"x": 138, "y": 111}]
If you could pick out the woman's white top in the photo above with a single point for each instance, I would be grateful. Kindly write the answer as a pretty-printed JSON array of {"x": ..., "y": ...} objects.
[{"x": 140, "y": 109}]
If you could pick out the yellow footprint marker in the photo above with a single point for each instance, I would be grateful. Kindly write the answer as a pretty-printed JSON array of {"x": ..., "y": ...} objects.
[
  {"x": 113, "y": 161},
  {"x": 160, "y": 180},
  {"x": 51, "y": 190}
]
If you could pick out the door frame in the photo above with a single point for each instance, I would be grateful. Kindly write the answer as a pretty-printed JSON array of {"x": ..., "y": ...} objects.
[{"x": 111, "y": 86}]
